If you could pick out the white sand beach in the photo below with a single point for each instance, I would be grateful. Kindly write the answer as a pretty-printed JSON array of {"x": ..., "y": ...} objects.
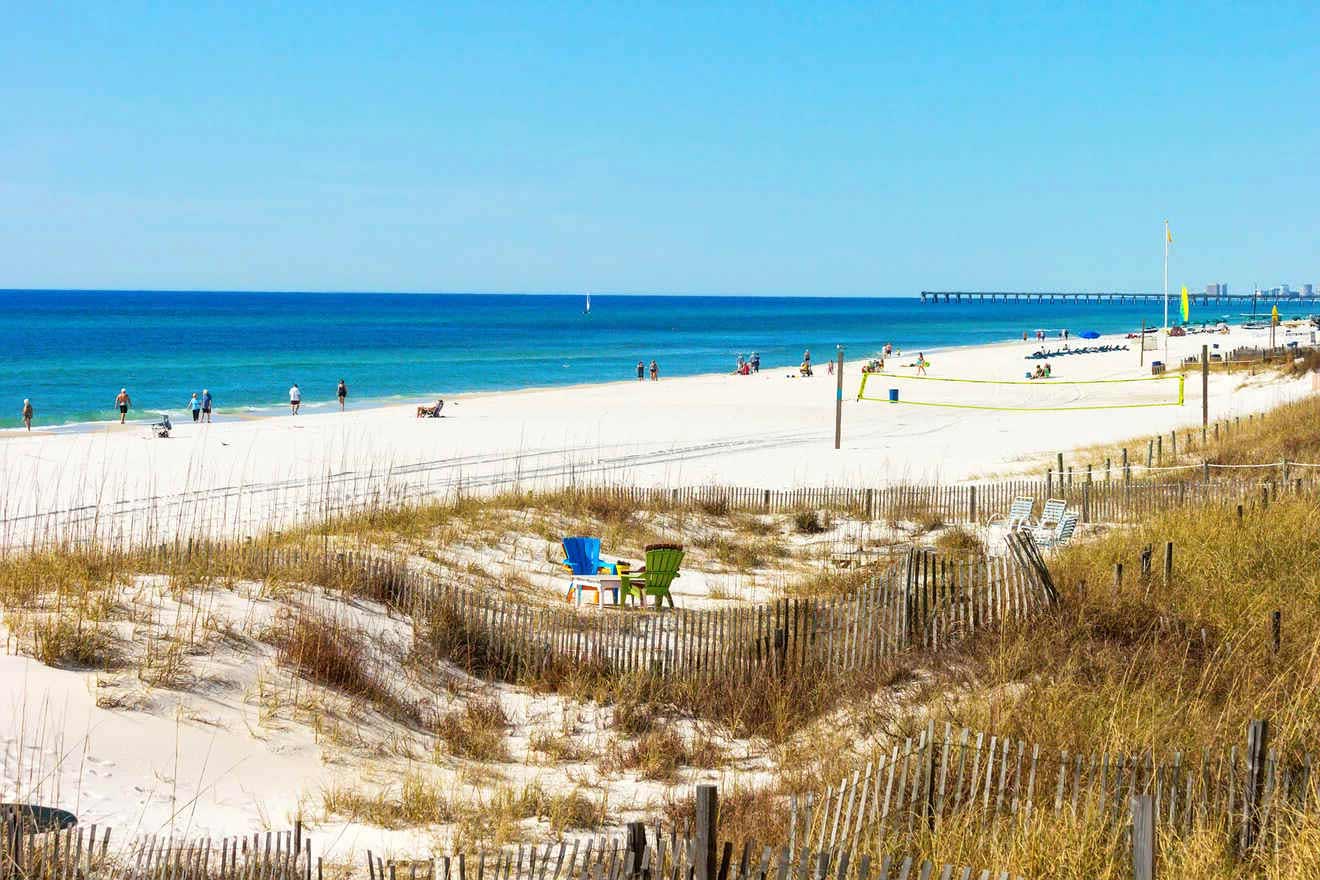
[
  {"x": 204, "y": 772},
  {"x": 772, "y": 429}
]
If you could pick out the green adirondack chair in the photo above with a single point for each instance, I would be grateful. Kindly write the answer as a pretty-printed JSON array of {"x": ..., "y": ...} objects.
[{"x": 662, "y": 562}]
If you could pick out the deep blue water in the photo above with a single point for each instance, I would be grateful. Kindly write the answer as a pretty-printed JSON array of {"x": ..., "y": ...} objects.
[{"x": 71, "y": 351}]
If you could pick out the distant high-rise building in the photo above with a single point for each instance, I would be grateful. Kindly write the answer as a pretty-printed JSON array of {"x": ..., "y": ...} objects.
[
  {"x": 1308, "y": 290},
  {"x": 1223, "y": 288},
  {"x": 1212, "y": 290},
  {"x": 1284, "y": 291}
]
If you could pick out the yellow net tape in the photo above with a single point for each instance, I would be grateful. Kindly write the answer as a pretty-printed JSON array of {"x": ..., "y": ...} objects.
[{"x": 1180, "y": 378}]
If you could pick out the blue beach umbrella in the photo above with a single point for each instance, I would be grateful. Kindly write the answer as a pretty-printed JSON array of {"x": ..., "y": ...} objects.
[{"x": 1090, "y": 334}]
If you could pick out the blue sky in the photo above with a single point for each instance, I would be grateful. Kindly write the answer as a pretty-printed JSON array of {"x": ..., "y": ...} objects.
[{"x": 699, "y": 148}]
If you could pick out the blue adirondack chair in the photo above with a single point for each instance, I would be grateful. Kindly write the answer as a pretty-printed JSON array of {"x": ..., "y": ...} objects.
[{"x": 582, "y": 557}]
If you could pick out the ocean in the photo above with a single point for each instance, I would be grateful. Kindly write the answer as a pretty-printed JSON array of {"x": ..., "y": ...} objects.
[{"x": 71, "y": 351}]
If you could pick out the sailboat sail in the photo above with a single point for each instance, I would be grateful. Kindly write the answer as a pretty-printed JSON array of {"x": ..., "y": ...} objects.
[{"x": 587, "y": 310}]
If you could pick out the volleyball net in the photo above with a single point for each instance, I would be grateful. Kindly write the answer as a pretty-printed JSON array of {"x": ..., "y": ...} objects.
[{"x": 1023, "y": 395}]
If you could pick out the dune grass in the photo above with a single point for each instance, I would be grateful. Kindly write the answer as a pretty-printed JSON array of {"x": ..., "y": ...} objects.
[{"x": 1184, "y": 664}]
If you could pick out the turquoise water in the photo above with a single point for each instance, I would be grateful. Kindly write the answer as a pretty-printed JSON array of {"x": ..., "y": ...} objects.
[{"x": 71, "y": 351}]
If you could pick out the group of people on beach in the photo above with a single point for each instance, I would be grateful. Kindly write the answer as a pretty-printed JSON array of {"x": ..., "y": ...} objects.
[
  {"x": 655, "y": 371},
  {"x": 748, "y": 365},
  {"x": 202, "y": 404},
  {"x": 295, "y": 397}
]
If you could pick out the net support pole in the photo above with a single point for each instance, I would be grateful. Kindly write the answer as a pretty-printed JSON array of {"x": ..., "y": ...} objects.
[
  {"x": 838, "y": 400},
  {"x": 1205, "y": 392},
  {"x": 1141, "y": 349}
]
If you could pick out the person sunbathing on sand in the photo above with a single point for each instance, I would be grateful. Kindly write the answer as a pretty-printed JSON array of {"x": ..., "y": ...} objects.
[{"x": 431, "y": 412}]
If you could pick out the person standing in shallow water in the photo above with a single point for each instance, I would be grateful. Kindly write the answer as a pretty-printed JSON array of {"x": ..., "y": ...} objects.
[
  {"x": 342, "y": 393},
  {"x": 655, "y": 370},
  {"x": 295, "y": 399},
  {"x": 206, "y": 405},
  {"x": 641, "y": 371},
  {"x": 27, "y": 413},
  {"x": 123, "y": 401}
]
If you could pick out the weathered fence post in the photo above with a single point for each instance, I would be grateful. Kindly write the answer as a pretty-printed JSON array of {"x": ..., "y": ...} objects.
[
  {"x": 929, "y": 806},
  {"x": 1258, "y": 735},
  {"x": 1118, "y": 576},
  {"x": 637, "y": 845},
  {"x": 971, "y": 504},
  {"x": 1086, "y": 497},
  {"x": 1168, "y": 564},
  {"x": 1143, "y": 837},
  {"x": 704, "y": 864},
  {"x": 1049, "y": 483}
]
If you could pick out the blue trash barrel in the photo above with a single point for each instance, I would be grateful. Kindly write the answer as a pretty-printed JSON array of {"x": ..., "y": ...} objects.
[{"x": 893, "y": 395}]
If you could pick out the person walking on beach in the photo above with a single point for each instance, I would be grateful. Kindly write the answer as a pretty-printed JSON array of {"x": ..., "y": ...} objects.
[
  {"x": 756, "y": 362},
  {"x": 27, "y": 413},
  {"x": 922, "y": 363},
  {"x": 806, "y": 361},
  {"x": 641, "y": 371},
  {"x": 829, "y": 370},
  {"x": 123, "y": 401},
  {"x": 655, "y": 371},
  {"x": 206, "y": 405},
  {"x": 295, "y": 399},
  {"x": 342, "y": 393},
  {"x": 196, "y": 406}
]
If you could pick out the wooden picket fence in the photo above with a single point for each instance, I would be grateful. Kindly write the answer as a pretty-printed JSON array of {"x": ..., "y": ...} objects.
[
  {"x": 1112, "y": 493},
  {"x": 1248, "y": 792},
  {"x": 924, "y": 601},
  {"x": 77, "y": 853}
]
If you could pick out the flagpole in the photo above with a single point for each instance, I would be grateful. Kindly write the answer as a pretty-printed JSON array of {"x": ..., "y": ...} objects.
[{"x": 1166, "y": 294}]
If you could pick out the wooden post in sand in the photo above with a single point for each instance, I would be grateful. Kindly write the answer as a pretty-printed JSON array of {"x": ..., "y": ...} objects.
[
  {"x": 1205, "y": 392},
  {"x": 1143, "y": 837},
  {"x": 704, "y": 865},
  {"x": 838, "y": 401}
]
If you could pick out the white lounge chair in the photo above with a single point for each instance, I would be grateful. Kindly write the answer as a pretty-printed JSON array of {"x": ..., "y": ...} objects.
[
  {"x": 1053, "y": 513},
  {"x": 1059, "y": 535},
  {"x": 1019, "y": 513}
]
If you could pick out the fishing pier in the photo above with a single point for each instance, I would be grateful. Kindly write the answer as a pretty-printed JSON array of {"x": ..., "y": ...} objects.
[{"x": 958, "y": 296}]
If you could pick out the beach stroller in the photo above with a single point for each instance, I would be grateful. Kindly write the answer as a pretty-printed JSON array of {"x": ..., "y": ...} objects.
[{"x": 163, "y": 427}]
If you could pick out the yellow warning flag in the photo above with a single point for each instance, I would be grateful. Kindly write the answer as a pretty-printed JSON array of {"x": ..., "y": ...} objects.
[
  {"x": 1274, "y": 315},
  {"x": 1168, "y": 233},
  {"x": 1186, "y": 306}
]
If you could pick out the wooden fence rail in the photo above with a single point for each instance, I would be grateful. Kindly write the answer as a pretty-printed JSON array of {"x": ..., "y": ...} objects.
[
  {"x": 77, "y": 853},
  {"x": 978, "y": 775},
  {"x": 924, "y": 601}
]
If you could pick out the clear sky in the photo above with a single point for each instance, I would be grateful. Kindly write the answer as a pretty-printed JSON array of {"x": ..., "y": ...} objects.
[{"x": 657, "y": 148}]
